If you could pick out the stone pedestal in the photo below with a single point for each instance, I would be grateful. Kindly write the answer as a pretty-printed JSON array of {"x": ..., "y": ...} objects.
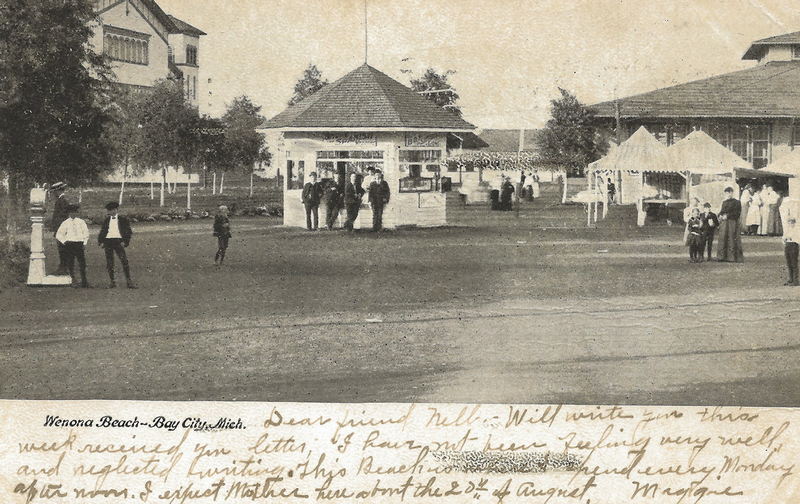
[{"x": 37, "y": 275}]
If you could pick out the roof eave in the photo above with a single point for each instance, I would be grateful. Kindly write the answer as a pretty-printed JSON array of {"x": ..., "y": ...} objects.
[{"x": 366, "y": 128}]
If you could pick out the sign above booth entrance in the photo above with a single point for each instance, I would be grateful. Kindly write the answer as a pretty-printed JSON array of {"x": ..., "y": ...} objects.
[
  {"x": 351, "y": 138},
  {"x": 423, "y": 140}
]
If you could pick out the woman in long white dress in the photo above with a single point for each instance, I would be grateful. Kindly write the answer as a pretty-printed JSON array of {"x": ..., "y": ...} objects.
[
  {"x": 753, "y": 220},
  {"x": 536, "y": 190},
  {"x": 745, "y": 200},
  {"x": 766, "y": 196}
]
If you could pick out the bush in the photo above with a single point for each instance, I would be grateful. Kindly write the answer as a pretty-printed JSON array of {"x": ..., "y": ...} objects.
[{"x": 14, "y": 265}]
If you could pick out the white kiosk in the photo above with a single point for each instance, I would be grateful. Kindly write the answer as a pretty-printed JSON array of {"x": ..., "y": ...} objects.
[{"x": 367, "y": 119}]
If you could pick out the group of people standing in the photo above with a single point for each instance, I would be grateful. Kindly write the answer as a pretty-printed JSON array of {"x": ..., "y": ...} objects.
[
  {"x": 527, "y": 188},
  {"x": 348, "y": 196},
  {"x": 761, "y": 211},
  {"x": 72, "y": 236},
  {"x": 701, "y": 226}
]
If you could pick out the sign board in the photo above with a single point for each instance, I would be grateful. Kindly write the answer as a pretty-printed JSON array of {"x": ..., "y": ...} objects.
[
  {"x": 352, "y": 138},
  {"x": 423, "y": 140}
]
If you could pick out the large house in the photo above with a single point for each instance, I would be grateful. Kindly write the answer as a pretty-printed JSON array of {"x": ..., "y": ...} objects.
[
  {"x": 146, "y": 44},
  {"x": 752, "y": 112}
]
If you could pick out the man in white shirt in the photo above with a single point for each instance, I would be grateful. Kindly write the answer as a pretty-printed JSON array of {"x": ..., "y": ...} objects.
[
  {"x": 790, "y": 213},
  {"x": 73, "y": 234}
]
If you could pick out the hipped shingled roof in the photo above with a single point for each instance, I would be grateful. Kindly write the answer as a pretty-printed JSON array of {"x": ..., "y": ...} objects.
[
  {"x": 768, "y": 90},
  {"x": 367, "y": 98}
]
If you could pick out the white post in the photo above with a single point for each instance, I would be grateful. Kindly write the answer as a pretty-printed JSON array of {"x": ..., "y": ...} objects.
[
  {"x": 564, "y": 196},
  {"x": 221, "y": 182},
  {"x": 214, "y": 183},
  {"x": 151, "y": 191},
  {"x": 121, "y": 191},
  {"x": 596, "y": 197},
  {"x": 189, "y": 194},
  {"x": 251, "y": 184},
  {"x": 36, "y": 263},
  {"x": 80, "y": 195}
]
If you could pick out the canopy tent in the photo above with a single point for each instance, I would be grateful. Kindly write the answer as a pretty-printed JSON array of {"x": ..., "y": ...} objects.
[{"x": 698, "y": 153}]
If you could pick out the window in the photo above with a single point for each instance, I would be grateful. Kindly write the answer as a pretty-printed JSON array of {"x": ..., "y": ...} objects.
[
  {"x": 295, "y": 178},
  {"x": 191, "y": 55},
  {"x": 354, "y": 161},
  {"x": 126, "y": 48},
  {"x": 413, "y": 160},
  {"x": 759, "y": 138},
  {"x": 170, "y": 54},
  {"x": 796, "y": 52}
]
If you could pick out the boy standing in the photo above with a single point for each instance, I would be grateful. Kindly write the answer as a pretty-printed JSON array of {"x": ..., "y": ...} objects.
[
  {"x": 73, "y": 234},
  {"x": 710, "y": 225},
  {"x": 222, "y": 230},
  {"x": 694, "y": 226},
  {"x": 790, "y": 212},
  {"x": 115, "y": 236}
]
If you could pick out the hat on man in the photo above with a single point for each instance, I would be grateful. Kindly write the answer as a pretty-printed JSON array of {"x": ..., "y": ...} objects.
[
  {"x": 728, "y": 189},
  {"x": 73, "y": 208},
  {"x": 58, "y": 186},
  {"x": 112, "y": 205},
  {"x": 706, "y": 205}
]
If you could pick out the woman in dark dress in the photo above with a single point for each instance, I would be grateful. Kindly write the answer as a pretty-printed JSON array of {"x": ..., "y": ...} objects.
[
  {"x": 506, "y": 193},
  {"x": 729, "y": 248}
]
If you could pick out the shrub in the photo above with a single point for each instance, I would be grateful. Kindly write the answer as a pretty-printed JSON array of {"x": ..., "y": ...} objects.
[{"x": 14, "y": 265}]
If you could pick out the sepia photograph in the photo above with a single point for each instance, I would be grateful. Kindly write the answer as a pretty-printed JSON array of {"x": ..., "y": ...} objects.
[{"x": 400, "y": 201}]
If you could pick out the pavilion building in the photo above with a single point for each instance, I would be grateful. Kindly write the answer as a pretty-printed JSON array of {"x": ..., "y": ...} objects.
[
  {"x": 367, "y": 119},
  {"x": 752, "y": 112}
]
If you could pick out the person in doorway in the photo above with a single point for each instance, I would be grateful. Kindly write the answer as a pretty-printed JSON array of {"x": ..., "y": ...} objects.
[
  {"x": 73, "y": 234},
  {"x": 709, "y": 228},
  {"x": 729, "y": 248},
  {"x": 334, "y": 197},
  {"x": 694, "y": 227},
  {"x": 222, "y": 230},
  {"x": 60, "y": 214},
  {"x": 352, "y": 200},
  {"x": 378, "y": 199},
  {"x": 311, "y": 196},
  {"x": 746, "y": 199},
  {"x": 115, "y": 236}
]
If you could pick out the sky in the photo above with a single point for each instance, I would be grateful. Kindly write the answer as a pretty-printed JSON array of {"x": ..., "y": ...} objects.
[{"x": 510, "y": 56}]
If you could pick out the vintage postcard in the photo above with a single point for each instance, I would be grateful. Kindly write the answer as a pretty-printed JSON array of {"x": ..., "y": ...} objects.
[{"x": 399, "y": 251}]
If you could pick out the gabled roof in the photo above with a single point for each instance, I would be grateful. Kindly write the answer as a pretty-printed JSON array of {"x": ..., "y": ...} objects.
[
  {"x": 699, "y": 153},
  {"x": 753, "y": 53},
  {"x": 507, "y": 140},
  {"x": 640, "y": 152},
  {"x": 184, "y": 27},
  {"x": 160, "y": 15},
  {"x": 768, "y": 90},
  {"x": 367, "y": 98}
]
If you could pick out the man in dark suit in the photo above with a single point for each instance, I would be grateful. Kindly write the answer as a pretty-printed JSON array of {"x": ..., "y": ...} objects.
[
  {"x": 333, "y": 200},
  {"x": 60, "y": 214},
  {"x": 312, "y": 195},
  {"x": 707, "y": 230},
  {"x": 115, "y": 235},
  {"x": 378, "y": 198},
  {"x": 352, "y": 200}
]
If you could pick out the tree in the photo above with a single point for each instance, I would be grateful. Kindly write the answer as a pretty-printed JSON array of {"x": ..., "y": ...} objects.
[
  {"x": 54, "y": 96},
  {"x": 243, "y": 143},
  {"x": 436, "y": 87},
  {"x": 124, "y": 133},
  {"x": 570, "y": 137},
  {"x": 168, "y": 130},
  {"x": 310, "y": 83}
]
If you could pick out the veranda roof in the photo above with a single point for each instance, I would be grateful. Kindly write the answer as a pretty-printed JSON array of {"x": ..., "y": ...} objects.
[
  {"x": 640, "y": 152},
  {"x": 701, "y": 154}
]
